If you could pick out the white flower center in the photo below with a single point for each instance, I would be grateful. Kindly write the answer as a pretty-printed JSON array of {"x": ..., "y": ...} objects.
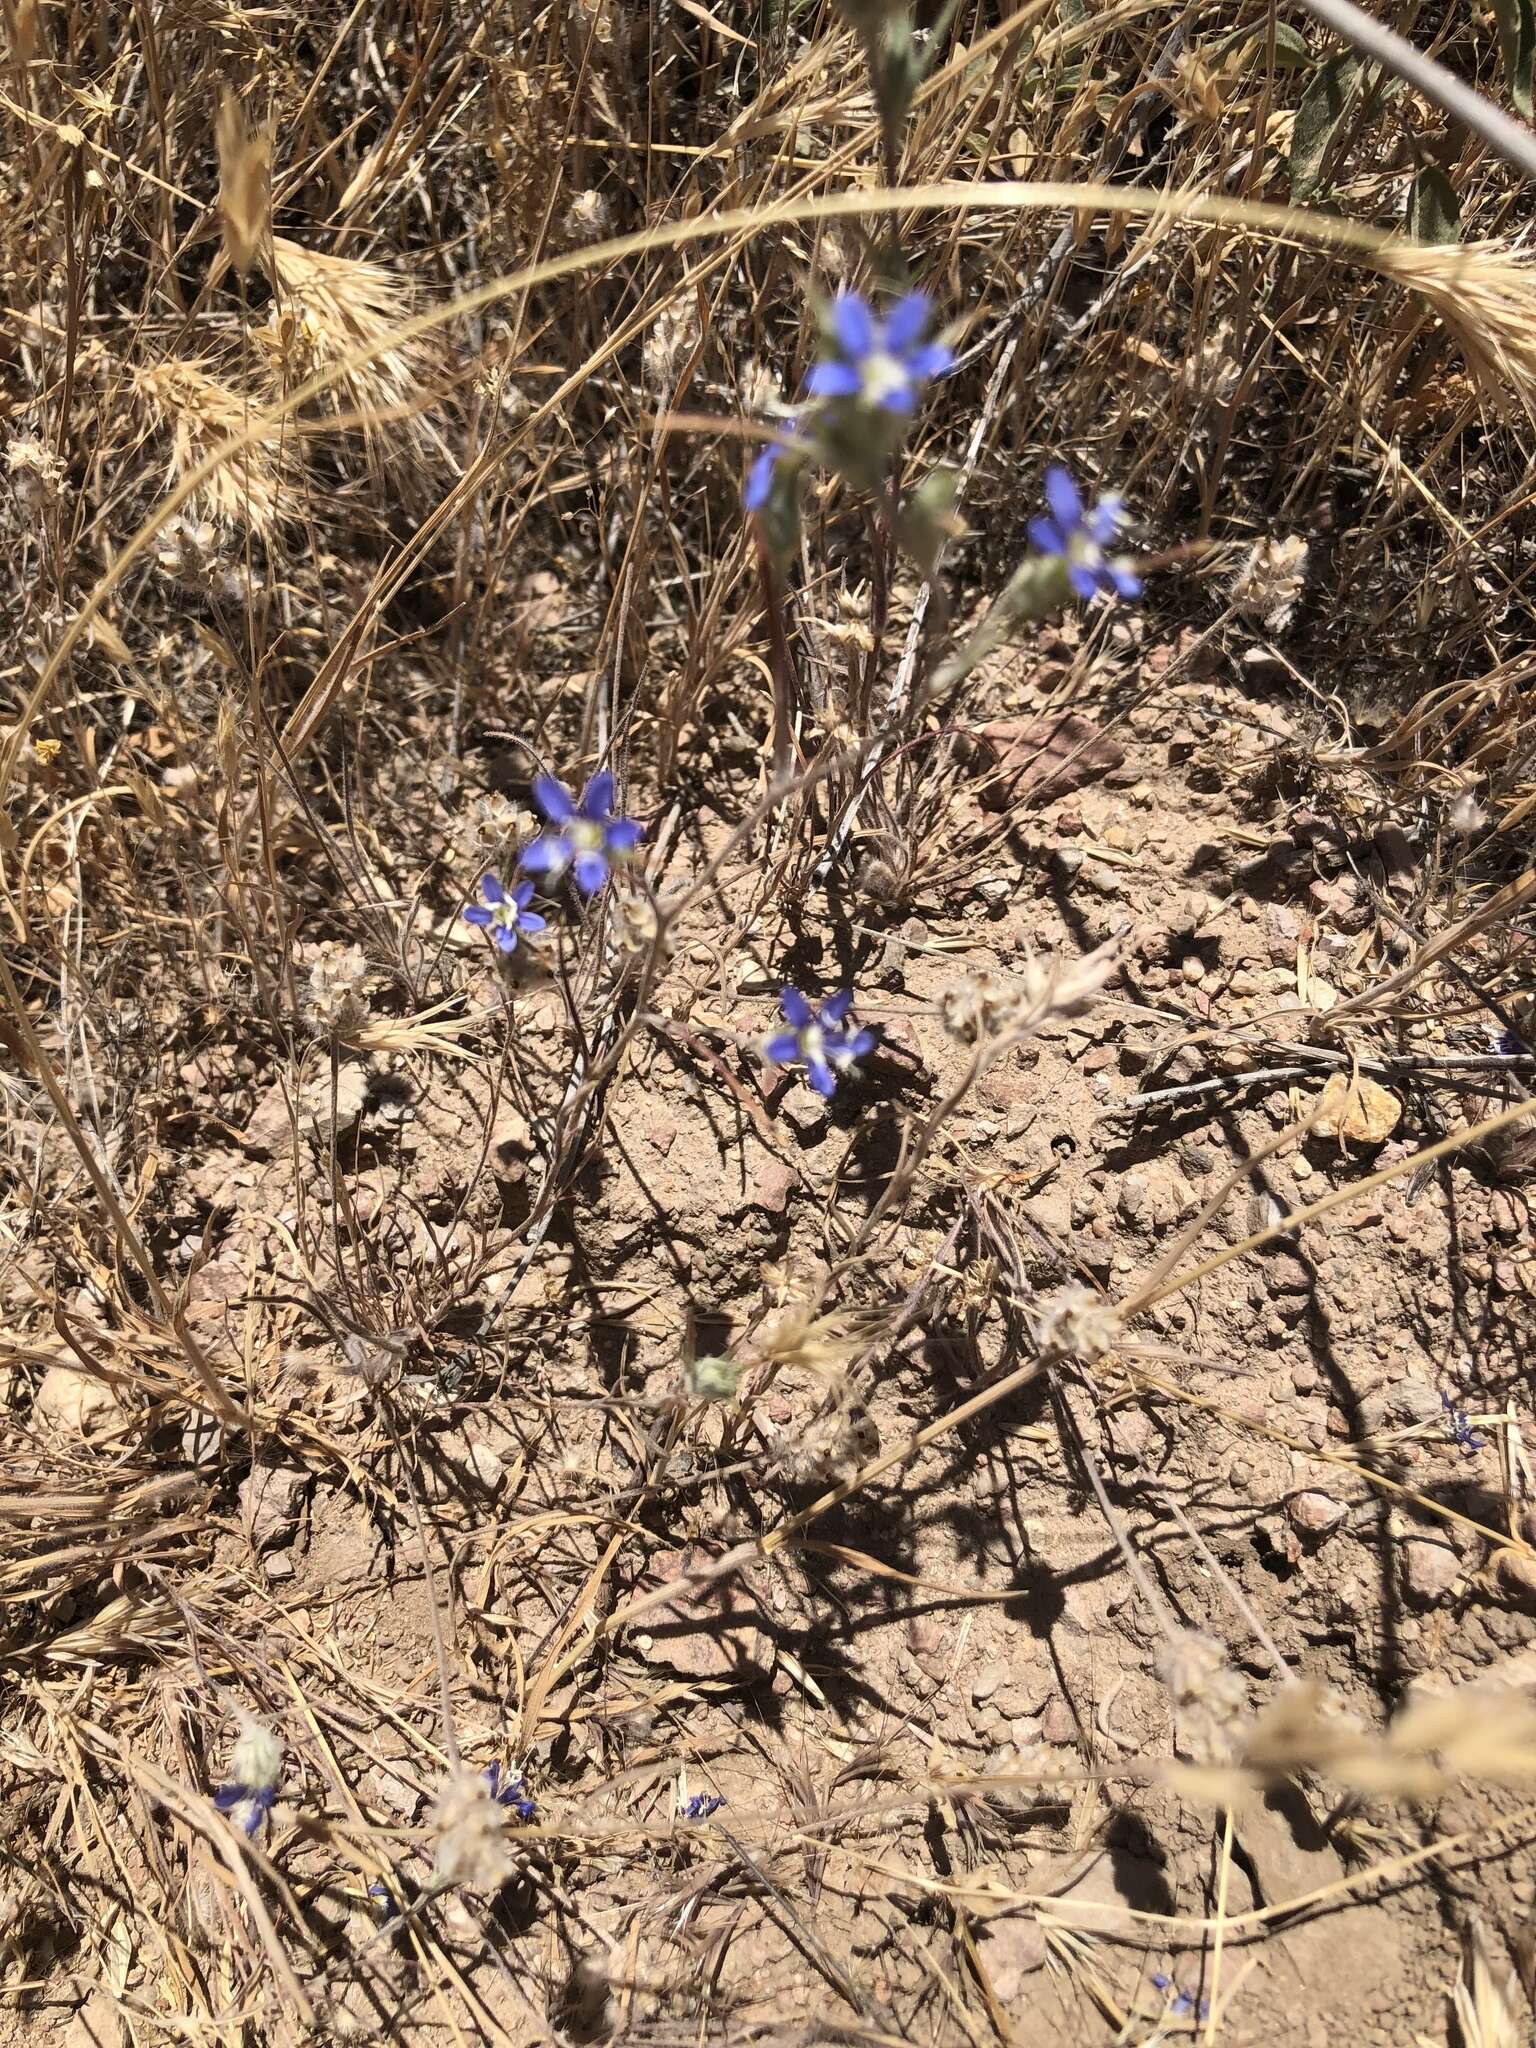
[
  {"x": 812, "y": 1041},
  {"x": 885, "y": 376},
  {"x": 585, "y": 836},
  {"x": 1084, "y": 553}
]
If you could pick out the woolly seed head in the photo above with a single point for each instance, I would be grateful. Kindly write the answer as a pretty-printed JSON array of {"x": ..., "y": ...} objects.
[
  {"x": 1270, "y": 583},
  {"x": 1209, "y": 1699},
  {"x": 335, "y": 1003},
  {"x": 1074, "y": 1322},
  {"x": 469, "y": 1824},
  {"x": 257, "y": 1763},
  {"x": 588, "y": 218}
]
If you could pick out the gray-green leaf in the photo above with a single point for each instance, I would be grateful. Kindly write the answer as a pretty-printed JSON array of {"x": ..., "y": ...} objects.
[
  {"x": 1517, "y": 46},
  {"x": 1325, "y": 106},
  {"x": 1434, "y": 212}
]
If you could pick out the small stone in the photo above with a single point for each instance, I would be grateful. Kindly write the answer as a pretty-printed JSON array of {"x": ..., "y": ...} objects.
[
  {"x": 1430, "y": 1569},
  {"x": 1058, "y": 1723},
  {"x": 775, "y": 1183},
  {"x": 271, "y": 1498},
  {"x": 1013, "y": 1950},
  {"x": 987, "y": 1680},
  {"x": 69, "y": 1402},
  {"x": 1315, "y": 1514},
  {"x": 1515, "y": 1574}
]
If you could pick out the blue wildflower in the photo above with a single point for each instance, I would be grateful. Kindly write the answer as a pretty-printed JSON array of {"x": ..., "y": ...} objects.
[
  {"x": 586, "y": 836},
  {"x": 255, "y": 1768},
  {"x": 1077, "y": 535},
  {"x": 246, "y": 1805},
  {"x": 821, "y": 1041},
  {"x": 513, "y": 1794},
  {"x": 1462, "y": 1431},
  {"x": 702, "y": 1805},
  {"x": 505, "y": 912},
  {"x": 883, "y": 363},
  {"x": 1180, "y": 2005}
]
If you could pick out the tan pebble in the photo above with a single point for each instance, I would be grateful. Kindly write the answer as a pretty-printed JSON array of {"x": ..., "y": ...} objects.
[{"x": 74, "y": 1403}]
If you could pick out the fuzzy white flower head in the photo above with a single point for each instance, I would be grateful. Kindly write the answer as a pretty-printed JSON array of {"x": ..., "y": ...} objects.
[
  {"x": 257, "y": 1763},
  {"x": 472, "y": 1846}
]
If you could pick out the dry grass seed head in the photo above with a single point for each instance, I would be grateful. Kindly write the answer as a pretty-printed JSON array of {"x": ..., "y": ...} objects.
[
  {"x": 334, "y": 310},
  {"x": 199, "y": 413},
  {"x": 245, "y": 185},
  {"x": 1486, "y": 295}
]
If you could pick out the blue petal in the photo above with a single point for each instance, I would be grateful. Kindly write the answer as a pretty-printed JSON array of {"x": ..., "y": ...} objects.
[
  {"x": 1105, "y": 520},
  {"x": 476, "y": 916},
  {"x": 853, "y": 325},
  {"x": 492, "y": 890},
  {"x": 1126, "y": 581},
  {"x": 861, "y": 1044},
  {"x": 1062, "y": 495},
  {"x": 908, "y": 322},
  {"x": 903, "y": 399},
  {"x": 1047, "y": 536},
  {"x": 597, "y": 798},
  {"x": 553, "y": 799},
  {"x": 1086, "y": 582},
  {"x": 934, "y": 361},
  {"x": 797, "y": 1010},
  {"x": 227, "y": 1796},
  {"x": 530, "y": 921},
  {"x": 547, "y": 855},
  {"x": 821, "y": 1076},
  {"x": 522, "y": 894},
  {"x": 624, "y": 835},
  {"x": 506, "y": 938},
  {"x": 591, "y": 873},
  {"x": 783, "y": 1048},
  {"x": 833, "y": 380},
  {"x": 836, "y": 1008},
  {"x": 759, "y": 485}
]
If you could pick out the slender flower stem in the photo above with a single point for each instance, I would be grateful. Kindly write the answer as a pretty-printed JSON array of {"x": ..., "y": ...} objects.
[{"x": 781, "y": 662}]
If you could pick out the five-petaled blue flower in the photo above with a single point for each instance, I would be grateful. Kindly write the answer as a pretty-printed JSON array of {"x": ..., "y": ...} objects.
[
  {"x": 884, "y": 363},
  {"x": 1078, "y": 536},
  {"x": 821, "y": 1041},
  {"x": 702, "y": 1805},
  {"x": 246, "y": 1805},
  {"x": 505, "y": 912},
  {"x": 1180, "y": 2005},
  {"x": 513, "y": 1794},
  {"x": 1462, "y": 1431},
  {"x": 587, "y": 837}
]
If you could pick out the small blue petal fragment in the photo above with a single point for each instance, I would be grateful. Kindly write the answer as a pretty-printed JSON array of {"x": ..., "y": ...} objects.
[
  {"x": 908, "y": 322},
  {"x": 597, "y": 798},
  {"x": 853, "y": 324},
  {"x": 1064, "y": 499},
  {"x": 833, "y": 380},
  {"x": 759, "y": 485},
  {"x": 553, "y": 800},
  {"x": 591, "y": 871},
  {"x": 797, "y": 1010}
]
